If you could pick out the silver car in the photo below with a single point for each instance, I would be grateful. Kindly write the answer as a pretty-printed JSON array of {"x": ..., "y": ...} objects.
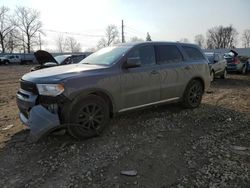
[
  {"x": 83, "y": 97},
  {"x": 217, "y": 65}
]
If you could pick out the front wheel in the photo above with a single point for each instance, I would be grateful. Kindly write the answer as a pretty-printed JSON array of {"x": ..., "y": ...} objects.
[
  {"x": 224, "y": 75},
  {"x": 88, "y": 117},
  {"x": 244, "y": 69},
  {"x": 193, "y": 94},
  {"x": 212, "y": 75}
]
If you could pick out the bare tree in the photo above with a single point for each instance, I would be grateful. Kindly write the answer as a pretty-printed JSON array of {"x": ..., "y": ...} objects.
[
  {"x": 11, "y": 42},
  {"x": 135, "y": 39},
  {"x": 5, "y": 26},
  {"x": 72, "y": 45},
  {"x": 246, "y": 38},
  {"x": 222, "y": 37},
  {"x": 111, "y": 37},
  {"x": 200, "y": 40},
  {"x": 27, "y": 20},
  {"x": 148, "y": 38},
  {"x": 60, "y": 43}
]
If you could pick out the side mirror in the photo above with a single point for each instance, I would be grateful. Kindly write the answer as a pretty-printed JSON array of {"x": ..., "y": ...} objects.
[{"x": 132, "y": 62}]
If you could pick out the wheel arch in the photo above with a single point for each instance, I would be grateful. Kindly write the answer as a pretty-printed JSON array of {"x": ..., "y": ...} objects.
[
  {"x": 196, "y": 78},
  {"x": 100, "y": 93}
]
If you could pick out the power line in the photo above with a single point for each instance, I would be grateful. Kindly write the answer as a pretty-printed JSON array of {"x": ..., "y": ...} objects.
[
  {"x": 73, "y": 33},
  {"x": 134, "y": 30}
]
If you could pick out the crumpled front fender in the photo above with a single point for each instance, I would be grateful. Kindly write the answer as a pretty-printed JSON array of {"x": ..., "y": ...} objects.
[{"x": 40, "y": 121}]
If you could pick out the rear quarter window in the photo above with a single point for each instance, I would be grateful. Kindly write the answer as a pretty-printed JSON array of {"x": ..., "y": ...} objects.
[{"x": 193, "y": 53}]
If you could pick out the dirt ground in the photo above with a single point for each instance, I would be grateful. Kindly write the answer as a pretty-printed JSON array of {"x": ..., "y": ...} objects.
[{"x": 165, "y": 146}]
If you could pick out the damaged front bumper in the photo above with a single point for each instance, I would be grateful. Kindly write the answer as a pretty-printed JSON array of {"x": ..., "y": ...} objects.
[{"x": 36, "y": 116}]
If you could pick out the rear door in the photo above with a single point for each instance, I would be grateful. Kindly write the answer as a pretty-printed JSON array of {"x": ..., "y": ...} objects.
[
  {"x": 170, "y": 59},
  {"x": 141, "y": 85}
]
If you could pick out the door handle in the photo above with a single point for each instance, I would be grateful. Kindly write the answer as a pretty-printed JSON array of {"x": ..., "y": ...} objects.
[
  {"x": 187, "y": 67},
  {"x": 154, "y": 72}
]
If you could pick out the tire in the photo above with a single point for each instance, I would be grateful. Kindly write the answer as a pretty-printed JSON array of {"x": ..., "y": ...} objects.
[
  {"x": 224, "y": 75},
  {"x": 6, "y": 62},
  {"x": 212, "y": 76},
  {"x": 88, "y": 116},
  {"x": 193, "y": 94},
  {"x": 244, "y": 69}
]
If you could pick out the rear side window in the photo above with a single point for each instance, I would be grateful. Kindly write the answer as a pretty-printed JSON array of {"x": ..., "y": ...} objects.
[
  {"x": 168, "y": 54},
  {"x": 193, "y": 53}
]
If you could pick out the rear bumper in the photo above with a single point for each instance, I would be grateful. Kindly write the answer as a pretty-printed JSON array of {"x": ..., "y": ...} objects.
[{"x": 35, "y": 116}]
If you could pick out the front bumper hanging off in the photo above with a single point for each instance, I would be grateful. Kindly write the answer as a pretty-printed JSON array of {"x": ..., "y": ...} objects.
[{"x": 39, "y": 119}]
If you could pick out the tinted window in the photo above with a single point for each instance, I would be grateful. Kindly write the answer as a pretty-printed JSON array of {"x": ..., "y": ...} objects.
[
  {"x": 193, "y": 53},
  {"x": 168, "y": 54},
  {"x": 77, "y": 59},
  {"x": 145, "y": 54}
]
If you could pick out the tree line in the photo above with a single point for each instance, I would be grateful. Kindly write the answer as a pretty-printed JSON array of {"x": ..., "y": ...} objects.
[
  {"x": 21, "y": 30},
  {"x": 222, "y": 37}
]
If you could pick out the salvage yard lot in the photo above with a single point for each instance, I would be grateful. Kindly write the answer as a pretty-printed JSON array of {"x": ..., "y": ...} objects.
[{"x": 168, "y": 146}]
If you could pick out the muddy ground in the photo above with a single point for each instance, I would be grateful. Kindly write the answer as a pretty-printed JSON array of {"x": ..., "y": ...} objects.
[{"x": 165, "y": 146}]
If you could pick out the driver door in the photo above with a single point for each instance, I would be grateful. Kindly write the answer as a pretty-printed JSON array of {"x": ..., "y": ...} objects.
[{"x": 141, "y": 85}]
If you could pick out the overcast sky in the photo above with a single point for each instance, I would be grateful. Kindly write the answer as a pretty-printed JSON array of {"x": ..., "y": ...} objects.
[{"x": 168, "y": 20}]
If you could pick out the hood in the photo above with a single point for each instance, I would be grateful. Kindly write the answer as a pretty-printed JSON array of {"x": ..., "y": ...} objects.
[
  {"x": 44, "y": 57},
  {"x": 58, "y": 73}
]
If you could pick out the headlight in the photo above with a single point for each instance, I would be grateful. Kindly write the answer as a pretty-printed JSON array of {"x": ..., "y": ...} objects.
[{"x": 50, "y": 89}]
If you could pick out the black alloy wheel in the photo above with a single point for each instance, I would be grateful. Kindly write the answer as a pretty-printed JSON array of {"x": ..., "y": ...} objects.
[
  {"x": 88, "y": 117},
  {"x": 193, "y": 94}
]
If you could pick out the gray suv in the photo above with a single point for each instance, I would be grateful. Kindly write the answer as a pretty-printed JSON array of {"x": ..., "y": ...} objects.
[{"x": 82, "y": 97}]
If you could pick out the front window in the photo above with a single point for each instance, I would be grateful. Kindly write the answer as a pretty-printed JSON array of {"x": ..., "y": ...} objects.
[
  {"x": 106, "y": 56},
  {"x": 145, "y": 54}
]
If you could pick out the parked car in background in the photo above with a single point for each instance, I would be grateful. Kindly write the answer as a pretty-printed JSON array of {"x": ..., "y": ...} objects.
[
  {"x": 248, "y": 65},
  {"x": 82, "y": 97},
  {"x": 234, "y": 64},
  {"x": 46, "y": 60},
  {"x": 217, "y": 65},
  {"x": 10, "y": 59}
]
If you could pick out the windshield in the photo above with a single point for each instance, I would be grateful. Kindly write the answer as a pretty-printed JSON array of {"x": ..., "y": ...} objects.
[
  {"x": 228, "y": 56},
  {"x": 61, "y": 58},
  {"x": 106, "y": 56}
]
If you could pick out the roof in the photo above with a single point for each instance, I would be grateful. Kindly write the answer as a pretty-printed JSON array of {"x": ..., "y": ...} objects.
[{"x": 154, "y": 42}]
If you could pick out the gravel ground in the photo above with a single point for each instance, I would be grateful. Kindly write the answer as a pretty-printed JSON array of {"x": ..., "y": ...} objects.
[{"x": 165, "y": 146}]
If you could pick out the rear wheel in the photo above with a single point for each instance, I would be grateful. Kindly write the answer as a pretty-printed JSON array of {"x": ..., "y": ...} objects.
[
  {"x": 88, "y": 117},
  {"x": 193, "y": 94},
  {"x": 224, "y": 74}
]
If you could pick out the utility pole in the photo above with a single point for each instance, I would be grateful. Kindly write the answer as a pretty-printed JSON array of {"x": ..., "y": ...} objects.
[
  {"x": 40, "y": 42},
  {"x": 122, "y": 32}
]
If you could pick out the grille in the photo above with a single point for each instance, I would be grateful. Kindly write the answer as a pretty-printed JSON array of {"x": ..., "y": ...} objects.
[{"x": 28, "y": 86}]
